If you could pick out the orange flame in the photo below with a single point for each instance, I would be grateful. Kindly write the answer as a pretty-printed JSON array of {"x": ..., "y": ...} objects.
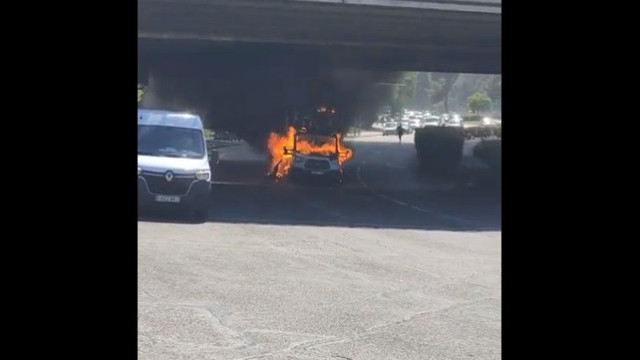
[
  {"x": 281, "y": 149},
  {"x": 344, "y": 153},
  {"x": 281, "y": 162}
]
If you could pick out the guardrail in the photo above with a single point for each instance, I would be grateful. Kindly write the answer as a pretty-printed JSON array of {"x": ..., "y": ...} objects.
[
  {"x": 213, "y": 144},
  {"x": 494, "y": 3},
  {"x": 494, "y": 6}
]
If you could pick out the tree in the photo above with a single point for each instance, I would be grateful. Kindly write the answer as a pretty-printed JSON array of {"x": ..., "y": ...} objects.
[
  {"x": 397, "y": 108},
  {"x": 443, "y": 91},
  {"x": 140, "y": 93},
  {"x": 479, "y": 101},
  {"x": 420, "y": 99},
  {"x": 440, "y": 88},
  {"x": 467, "y": 84},
  {"x": 404, "y": 92}
]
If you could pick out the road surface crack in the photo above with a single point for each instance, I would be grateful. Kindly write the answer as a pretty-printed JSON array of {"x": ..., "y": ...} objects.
[{"x": 338, "y": 340}]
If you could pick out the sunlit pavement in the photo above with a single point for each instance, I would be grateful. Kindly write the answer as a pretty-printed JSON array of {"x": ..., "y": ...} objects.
[{"x": 383, "y": 267}]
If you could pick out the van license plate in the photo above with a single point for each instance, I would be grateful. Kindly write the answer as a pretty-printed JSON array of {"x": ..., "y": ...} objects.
[
  {"x": 317, "y": 172},
  {"x": 165, "y": 198}
]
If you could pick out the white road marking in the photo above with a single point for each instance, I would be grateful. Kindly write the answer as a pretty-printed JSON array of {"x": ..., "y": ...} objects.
[
  {"x": 426, "y": 211},
  {"x": 444, "y": 216},
  {"x": 240, "y": 183},
  {"x": 420, "y": 209}
]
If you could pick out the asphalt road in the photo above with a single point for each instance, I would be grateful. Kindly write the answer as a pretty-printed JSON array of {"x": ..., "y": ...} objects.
[{"x": 389, "y": 265}]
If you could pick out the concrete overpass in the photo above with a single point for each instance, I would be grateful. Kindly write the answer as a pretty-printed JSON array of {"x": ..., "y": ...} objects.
[{"x": 389, "y": 35}]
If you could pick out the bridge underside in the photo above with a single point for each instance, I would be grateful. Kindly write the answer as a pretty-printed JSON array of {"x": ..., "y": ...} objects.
[
  {"x": 245, "y": 64},
  {"x": 365, "y": 37}
]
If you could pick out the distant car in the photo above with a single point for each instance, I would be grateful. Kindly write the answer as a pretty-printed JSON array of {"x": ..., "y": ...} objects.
[
  {"x": 389, "y": 129},
  {"x": 454, "y": 121},
  {"x": 407, "y": 128},
  {"x": 377, "y": 126},
  {"x": 415, "y": 124},
  {"x": 431, "y": 121}
]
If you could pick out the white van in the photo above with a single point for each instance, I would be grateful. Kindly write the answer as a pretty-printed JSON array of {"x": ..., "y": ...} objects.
[{"x": 173, "y": 164}]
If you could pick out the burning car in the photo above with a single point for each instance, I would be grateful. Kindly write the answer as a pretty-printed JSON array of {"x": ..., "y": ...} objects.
[
  {"x": 316, "y": 156},
  {"x": 311, "y": 149},
  {"x": 307, "y": 156}
]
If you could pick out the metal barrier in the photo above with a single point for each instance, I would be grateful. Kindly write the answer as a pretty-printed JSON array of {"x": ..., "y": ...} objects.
[{"x": 411, "y": 3}]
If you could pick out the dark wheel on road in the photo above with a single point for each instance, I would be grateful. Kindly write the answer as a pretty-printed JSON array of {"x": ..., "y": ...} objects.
[
  {"x": 339, "y": 180},
  {"x": 201, "y": 214}
]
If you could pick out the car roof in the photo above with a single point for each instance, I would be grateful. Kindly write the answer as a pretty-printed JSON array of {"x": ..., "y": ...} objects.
[{"x": 169, "y": 118}]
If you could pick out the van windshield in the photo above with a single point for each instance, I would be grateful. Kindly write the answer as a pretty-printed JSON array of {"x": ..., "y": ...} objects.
[{"x": 170, "y": 142}]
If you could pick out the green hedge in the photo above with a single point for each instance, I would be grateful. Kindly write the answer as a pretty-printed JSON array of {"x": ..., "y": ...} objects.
[
  {"x": 483, "y": 132},
  {"x": 439, "y": 148},
  {"x": 472, "y": 118},
  {"x": 490, "y": 152}
]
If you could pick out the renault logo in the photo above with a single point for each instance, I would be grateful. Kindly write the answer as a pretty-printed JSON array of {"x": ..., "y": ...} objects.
[{"x": 168, "y": 175}]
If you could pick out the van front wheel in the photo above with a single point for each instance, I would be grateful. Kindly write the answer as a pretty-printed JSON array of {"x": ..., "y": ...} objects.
[{"x": 201, "y": 214}]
